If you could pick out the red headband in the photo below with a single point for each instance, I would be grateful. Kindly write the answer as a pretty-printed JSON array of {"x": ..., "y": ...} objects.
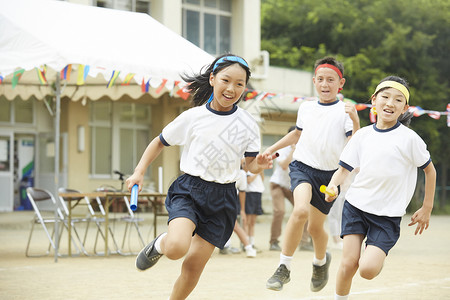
[{"x": 331, "y": 67}]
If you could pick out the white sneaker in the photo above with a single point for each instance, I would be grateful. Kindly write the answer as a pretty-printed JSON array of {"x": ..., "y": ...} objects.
[{"x": 251, "y": 252}]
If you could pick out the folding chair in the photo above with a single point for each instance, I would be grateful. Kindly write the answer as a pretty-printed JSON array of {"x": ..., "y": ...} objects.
[
  {"x": 44, "y": 205},
  {"x": 97, "y": 216},
  {"x": 130, "y": 219}
]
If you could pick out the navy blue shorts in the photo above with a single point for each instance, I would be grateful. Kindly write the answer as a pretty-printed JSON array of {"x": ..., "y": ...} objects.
[
  {"x": 210, "y": 205},
  {"x": 299, "y": 173},
  {"x": 381, "y": 231},
  {"x": 253, "y": 203}
]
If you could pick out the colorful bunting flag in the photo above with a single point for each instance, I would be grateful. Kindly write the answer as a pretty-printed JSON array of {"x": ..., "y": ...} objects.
[
  {"x": 184, "y": 92},
  {"x": 372, "y": 117},
  {"x": 448, "y": 115},
  {"x": 16, "y": 77},
  {"x": 82, "y": 74},
  {"x": 41, "y": 75},
  {"x": 161, "y": 86},
  {"x": 360, "y": 106},
  {"x": 127, "y": 79},
  {"x": 113, "y": 79},
  {"x": 1, "y": 79},
  {"x": 65, "y": 73},
  {"x": 435, "y": 115}
]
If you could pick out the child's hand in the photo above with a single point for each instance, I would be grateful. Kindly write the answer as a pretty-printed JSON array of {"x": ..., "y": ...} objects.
[
  {"x": 132, "y": 180},
  {"x": 422, "y": 218},
  {"x": 351, "y": 110},
  {"x": 331, "y": 193},
  {"x": 265, "y": 160}
]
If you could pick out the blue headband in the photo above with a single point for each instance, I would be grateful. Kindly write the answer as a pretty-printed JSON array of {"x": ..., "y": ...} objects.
[{"x": 223, "y": 59}]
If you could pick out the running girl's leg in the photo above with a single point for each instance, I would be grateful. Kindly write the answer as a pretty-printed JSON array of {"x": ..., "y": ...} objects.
[
  {"x": 193, "y": 265},
  {"x": 371, "y": 262},
  {"x": 351, "y": 253},
  {"x": 297, "y": 219},
  {"x": 178, "y": 239},
  {"x": 318, "y": 234}
]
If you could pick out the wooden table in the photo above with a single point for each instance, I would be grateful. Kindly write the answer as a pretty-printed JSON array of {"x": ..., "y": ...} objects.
[{"x": 156, "y": 199}]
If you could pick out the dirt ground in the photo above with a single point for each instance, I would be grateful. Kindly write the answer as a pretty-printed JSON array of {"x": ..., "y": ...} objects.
[{"x": 418, "y": 267}]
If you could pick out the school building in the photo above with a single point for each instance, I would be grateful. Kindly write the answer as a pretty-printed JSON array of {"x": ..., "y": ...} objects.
[{"x": 107, "y": 130}]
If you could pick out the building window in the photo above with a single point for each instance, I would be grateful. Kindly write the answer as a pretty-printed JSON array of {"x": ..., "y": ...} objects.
[
  {"x": 207, "y": 24},
  {"x": 17, "y": 111},
  {"x": 142, "y": 6},
  {"x": 119, "y": 134}
]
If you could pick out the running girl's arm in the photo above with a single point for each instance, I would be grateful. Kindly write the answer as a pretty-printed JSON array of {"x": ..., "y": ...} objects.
[
  {"x": 259, "y": 163},
  {"x": 422, "y": 216},
  {"x": 289, "y": 139},
  {"x": 353, "y": 114},
  {"x": 151, "y": 152},
  {"x": 338, "y": 178}
]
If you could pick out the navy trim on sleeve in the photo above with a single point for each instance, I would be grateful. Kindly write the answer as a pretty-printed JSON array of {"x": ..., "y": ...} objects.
[
  {"x": 163, "y": 140},
  {"x": 298, "y": 128},
  {"x": 251, "y": 154},
  {"x": 349, "y": 133},
  {"x": 425, "y": 164},
  {"x": 346, "y": 166}
]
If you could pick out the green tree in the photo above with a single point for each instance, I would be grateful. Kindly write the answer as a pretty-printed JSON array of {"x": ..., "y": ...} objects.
[{"x": 408, "y": 38}]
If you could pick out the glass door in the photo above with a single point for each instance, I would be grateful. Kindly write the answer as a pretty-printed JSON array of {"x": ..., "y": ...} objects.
[{"x": 6, "y": 172}]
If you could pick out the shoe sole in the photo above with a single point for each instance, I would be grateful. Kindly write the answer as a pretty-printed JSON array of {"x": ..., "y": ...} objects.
[{"x": 276, "y": 286}]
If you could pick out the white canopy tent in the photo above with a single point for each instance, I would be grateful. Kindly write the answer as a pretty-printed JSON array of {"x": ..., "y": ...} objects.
[{"x": 37, "y": 33}]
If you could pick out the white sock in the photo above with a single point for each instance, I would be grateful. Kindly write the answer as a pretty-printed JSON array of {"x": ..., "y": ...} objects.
[
  {"x": 251, "y": 239},
  {"x": 248, "y": 247},
  {"x": 285, "y": 260},
  {"x": 228, "y": 243},
  {"x": 158, "y": 243},
  {"x": 319, "y": 262},
  {"x": 337, "y": 297}
]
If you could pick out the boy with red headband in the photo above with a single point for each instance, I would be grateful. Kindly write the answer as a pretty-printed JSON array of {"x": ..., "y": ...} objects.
[{"x": 322, "y": 130}]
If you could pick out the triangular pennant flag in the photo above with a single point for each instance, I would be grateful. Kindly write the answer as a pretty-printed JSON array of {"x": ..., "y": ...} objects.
[
  {"x": 80, "y": 75},
  {"x": 16, "y": 77},
  {"x": 184, "y": 92},
  {"x": 127, "y": 79},
  {"x": 435, "y": 115},
  {"x": 448, "y": 115},
  {"x": 161, "y": 86},
  {"x": 113, "y": 79},
  {"x": 143, "y": 86},
  {"x": 41, "y": 75},
  {"x": 65, "y": 73},
  {"x": 360, "y": 106},
  {"x": 372, "y": 117}
]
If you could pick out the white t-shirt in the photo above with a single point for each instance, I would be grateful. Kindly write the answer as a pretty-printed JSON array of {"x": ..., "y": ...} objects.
[
  {"x": 214, "y": 142},
  {"x": 257, "y": 185},
  {"x": 325, "y": 127},
  {"x": 280, "y": 176},
  {"x": 388, "y": 162}
]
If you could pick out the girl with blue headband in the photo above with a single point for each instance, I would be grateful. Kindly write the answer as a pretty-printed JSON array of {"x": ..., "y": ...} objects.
[
  {"x": 387, "y": 154},
  {"x": 202, "y": 203}
]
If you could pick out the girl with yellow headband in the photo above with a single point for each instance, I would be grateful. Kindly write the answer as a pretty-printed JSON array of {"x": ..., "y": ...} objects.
[
  {"x": 202, "y": 203},
  {"x": 387, "y": 154}
]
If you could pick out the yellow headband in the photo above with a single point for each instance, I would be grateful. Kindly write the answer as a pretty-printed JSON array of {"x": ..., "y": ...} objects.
[{"x": 395, "y": 85}]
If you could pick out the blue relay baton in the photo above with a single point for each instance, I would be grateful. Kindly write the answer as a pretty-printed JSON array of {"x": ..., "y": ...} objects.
[{"x": 134, "y": 197}]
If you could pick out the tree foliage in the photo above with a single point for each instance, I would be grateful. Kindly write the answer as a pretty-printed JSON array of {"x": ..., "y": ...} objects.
[{"x": 374, "y": 38}]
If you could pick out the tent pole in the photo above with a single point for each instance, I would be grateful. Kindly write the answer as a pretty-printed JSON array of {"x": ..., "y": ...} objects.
[{"x": 57, "y": 134}]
